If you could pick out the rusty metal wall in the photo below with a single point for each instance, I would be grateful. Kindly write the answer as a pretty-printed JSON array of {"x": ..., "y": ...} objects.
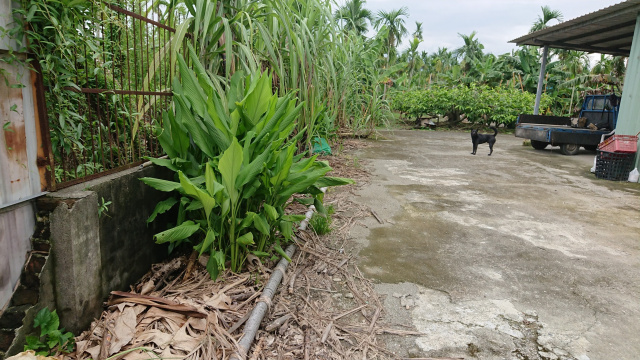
[
  {"x": 20, "y": 178},
  {"x": 18, "y": 140}
]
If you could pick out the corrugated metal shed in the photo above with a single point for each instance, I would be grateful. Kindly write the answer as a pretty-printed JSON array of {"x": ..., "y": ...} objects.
[{"x": 607, "y": 31}]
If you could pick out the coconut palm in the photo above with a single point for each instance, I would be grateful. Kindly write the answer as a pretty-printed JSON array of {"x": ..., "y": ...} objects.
[
  {"x": 547, "y": 15},
  {"x": 354, "y": 16},
  {"x": 394, "y": 21}
]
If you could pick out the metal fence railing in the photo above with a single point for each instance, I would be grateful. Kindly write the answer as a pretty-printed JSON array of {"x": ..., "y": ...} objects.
[{"x": 122, "y": 84}]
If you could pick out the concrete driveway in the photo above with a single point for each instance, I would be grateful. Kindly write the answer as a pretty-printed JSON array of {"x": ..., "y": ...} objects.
[{"x": 520, "y": 255}]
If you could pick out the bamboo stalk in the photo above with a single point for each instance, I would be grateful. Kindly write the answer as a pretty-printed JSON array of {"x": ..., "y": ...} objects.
[{"x": 260, "y": 310}]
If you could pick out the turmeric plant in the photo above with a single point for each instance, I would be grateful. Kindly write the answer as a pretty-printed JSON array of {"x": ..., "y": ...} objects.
[{"x": 234, "y": 155}]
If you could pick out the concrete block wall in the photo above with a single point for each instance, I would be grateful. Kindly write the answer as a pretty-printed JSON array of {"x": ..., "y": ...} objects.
[
  {"x": 75, "y": 246},
  {"x": 91, "y": 254},
  {"x": 94, "y": 255},
  {"x": 126, "y": 246}
]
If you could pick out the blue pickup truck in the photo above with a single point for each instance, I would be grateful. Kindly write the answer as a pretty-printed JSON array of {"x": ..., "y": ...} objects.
[{"x": 599, "y": 110}]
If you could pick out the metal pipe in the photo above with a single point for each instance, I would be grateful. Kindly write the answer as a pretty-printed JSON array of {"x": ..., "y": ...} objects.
[
  {"x": 260, "y": 310},
  {"x": 543, "y": 66}
]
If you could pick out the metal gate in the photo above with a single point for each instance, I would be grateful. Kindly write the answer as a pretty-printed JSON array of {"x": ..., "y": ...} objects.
[{"x": 122, "y": 85}]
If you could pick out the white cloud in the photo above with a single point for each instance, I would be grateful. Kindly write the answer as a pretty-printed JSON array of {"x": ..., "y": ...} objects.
[{"x": 495, "y": 21}]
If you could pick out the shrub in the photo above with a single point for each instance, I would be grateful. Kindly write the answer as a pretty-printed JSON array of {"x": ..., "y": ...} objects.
[{"x": 481, "y": 104}]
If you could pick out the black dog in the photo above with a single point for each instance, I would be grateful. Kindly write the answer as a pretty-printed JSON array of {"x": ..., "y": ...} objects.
[{"x": 483, "y": 138}]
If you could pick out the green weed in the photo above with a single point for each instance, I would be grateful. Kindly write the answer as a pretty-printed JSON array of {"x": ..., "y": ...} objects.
[
  {"x": 320, "y": 223},
  {"x": 103, "y": 208},
  {"x": 52, "y": 339}
]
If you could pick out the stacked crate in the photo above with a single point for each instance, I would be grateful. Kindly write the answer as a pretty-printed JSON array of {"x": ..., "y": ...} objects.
[{"x": 616, "y": 157}]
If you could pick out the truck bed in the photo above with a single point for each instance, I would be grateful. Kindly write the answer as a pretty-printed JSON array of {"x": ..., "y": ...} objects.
[{"x": 559, "y": 134}]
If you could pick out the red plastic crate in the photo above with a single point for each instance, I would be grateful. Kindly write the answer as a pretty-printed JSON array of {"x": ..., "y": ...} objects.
[{"x": 620, "y": 143}]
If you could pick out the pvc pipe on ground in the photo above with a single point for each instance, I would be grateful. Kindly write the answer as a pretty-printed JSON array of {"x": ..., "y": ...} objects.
[{"x": 260, "y": 310}]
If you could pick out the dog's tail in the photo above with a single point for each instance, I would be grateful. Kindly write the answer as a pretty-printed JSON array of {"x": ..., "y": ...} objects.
[{"x": 495, "y": 131}]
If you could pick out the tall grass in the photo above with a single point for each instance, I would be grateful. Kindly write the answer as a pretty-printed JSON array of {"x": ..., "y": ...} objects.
[{"x": 337, "y": 76}]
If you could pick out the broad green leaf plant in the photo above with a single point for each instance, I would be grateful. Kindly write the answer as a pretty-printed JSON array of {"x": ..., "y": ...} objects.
[
  {"x": 237, "y": 165},
  {"x": 51, "y": 339}
]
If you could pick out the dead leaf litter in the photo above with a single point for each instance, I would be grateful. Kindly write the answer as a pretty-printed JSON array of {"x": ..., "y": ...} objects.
[{"x": 324, "y": 308}]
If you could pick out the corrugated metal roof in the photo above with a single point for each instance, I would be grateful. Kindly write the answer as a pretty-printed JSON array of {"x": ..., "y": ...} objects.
[{"x": 607, "y": 31}]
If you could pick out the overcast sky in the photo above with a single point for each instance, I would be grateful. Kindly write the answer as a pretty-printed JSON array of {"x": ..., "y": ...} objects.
[{"x": 495, "y": 21}]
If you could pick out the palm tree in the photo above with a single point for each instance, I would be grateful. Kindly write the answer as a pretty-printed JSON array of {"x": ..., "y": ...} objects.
[
  {"x": 547, "y": 15},
  {"x": 440, "y": 62},
  {"x": 354, "y": 16},
  {"x": 611, "y": 65},
  {"x": 604, "y": 74},
  {"x": 470, "y": 51},
  {"x": 418, "y": 33},
  {"x": 394, "y": 21},
  {"x": 574, "y": 62},
  {"x": 412, "y": 56},
  {"x": 603, "y": 65}
]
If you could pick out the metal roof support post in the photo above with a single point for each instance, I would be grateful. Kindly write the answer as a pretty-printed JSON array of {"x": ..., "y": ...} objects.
[
  {"x": 629, "y": 115},
  {"x": 543, "y": 68}
]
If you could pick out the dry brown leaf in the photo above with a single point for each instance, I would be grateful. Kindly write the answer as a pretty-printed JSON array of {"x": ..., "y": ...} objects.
[
  {"x": 124, "y": 330},
  {"x": 168, "y": 353},
  {"x": 196, "y": 303},
  {"x": 98, "y": 330},
  {"x": 81, "y": 346},
  {"x": 139, "y": 309},
  {"x": 118, "y": 297},
  {"x": 185, "y": 342},
  {"x": 198, "y": 324},
  {"x": 213, "y": 319},
  {"x": 93, "y": 351},
  {"x": 175, "y": 320},
  {"x": 219, "y": 301},
  {"x": 153, "y": 336}
]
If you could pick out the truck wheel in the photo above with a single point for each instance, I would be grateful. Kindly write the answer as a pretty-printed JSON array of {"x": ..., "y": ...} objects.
[
  {"x": 539, "y": 145},
  {"x": 569, "y": 149}
]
